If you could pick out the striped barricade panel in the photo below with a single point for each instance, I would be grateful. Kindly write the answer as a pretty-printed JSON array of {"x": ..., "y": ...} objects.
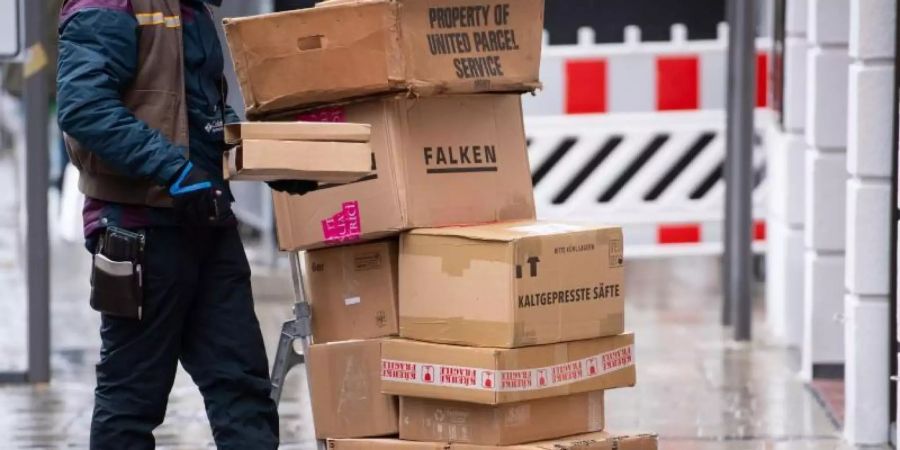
[{"x": 660, "y": 175}]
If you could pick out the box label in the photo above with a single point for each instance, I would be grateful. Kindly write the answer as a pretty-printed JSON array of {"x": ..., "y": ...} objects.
[
  {"x": 477, "y": 36},
  {"x": 328, "y": 114},
  {"x": 508, "y": 380},
  {"x": 344, "y": 226},
  {"x": 599, "y": 292},
  {"x": 367, "y": 261},
  {"x": 460, "y": 159}
]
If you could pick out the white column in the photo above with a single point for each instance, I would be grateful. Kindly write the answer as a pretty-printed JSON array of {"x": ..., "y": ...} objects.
[
  {"x": 826, "y": 174},
  {"x": 784, "y": 288},
  {"x": 867, "y": 280}
]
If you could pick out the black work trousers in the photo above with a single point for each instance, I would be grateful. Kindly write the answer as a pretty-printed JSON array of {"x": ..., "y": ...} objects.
[{"x": 198, "y": 309}]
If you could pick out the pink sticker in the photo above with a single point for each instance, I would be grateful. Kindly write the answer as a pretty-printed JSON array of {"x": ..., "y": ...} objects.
[
  {"x": 328, "y": 114},
  {"x": 344, "y": 226}
]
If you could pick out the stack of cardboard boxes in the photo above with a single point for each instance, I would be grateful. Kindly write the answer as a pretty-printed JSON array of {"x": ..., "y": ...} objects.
[{"x": 478, "y": 326}]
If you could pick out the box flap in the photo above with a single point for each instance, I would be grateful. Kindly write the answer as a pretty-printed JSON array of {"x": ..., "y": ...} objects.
[
  {"x": 385, "y": 444},
  {"x": 603, "y": 440},
  {"x": 298, "y": 131},
  {"x": 320, "y": 48},
  {"x": 588, "y": 441},
  {"x": 510, "y": 231}
]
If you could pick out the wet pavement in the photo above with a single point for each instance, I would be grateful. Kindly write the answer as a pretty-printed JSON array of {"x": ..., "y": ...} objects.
[{"x": 695, "y": 388}]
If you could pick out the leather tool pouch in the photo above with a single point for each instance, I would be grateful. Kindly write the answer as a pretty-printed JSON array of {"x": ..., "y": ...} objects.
[{"x": 117, "y": 274}]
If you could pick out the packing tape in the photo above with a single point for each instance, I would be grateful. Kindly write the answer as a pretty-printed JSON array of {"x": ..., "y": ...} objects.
[
  {"x": 35, "y": 60},
  {"x": 231, "y": 163},
  {"x": 459, "y": 330},
  {"x": 521, "y": 380},
  {"x": 456, "y": 330}
]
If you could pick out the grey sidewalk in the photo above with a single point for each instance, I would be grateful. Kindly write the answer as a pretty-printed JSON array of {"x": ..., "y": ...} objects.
[{"x": 695, "y": 389}]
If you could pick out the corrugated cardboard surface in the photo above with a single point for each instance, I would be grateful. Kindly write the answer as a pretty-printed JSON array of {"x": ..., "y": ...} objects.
[
  {"x": 428, "y": 171},
  {"x": 512, "y": 284},
  {"x": 325, "y": 162},
  {"x": 297, "y": 131},
  {"x": 589, "y": 441},
  {"x": 495, "y": 376},
  {"x": 345, "y": 395},
  {"x": 507, "y": 424},
  {"x": 353, "y": 291},
  {"x": 386, "y": 444},
  {"x": 346, "y": 50}
]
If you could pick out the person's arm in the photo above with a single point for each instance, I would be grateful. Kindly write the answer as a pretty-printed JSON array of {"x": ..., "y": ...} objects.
[
  {"x": 230, "y": 115},
  {"x": 98, "y": 57}
]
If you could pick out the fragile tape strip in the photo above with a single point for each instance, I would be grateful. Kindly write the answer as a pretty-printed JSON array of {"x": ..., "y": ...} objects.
[
  {"x": 35, "y": 60},
  {"x": 508, "y": 380}
]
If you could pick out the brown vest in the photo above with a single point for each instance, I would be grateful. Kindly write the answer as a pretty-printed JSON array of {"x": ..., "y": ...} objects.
[{"x": 156, "y": 97}]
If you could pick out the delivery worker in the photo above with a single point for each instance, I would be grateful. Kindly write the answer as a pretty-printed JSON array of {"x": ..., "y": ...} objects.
[{"x": 142, "y": 105}]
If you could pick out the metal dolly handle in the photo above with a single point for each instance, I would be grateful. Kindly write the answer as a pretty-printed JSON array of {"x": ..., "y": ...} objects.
[{"x": 299, "y": 328}]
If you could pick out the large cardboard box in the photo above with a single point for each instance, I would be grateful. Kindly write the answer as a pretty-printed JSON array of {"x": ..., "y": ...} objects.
[
  {"x": 439, "y": 161},
  {"x": 511, "y": 423},
  {"x": 588, "y": 441},
  {"x": 346, "y": 50},
  {"x": 344, "y": 391},
  {"x": 353, "y": 291},
  {"x": 511, "y": 284},
  {"x": 324, "y": 152},
  {"x": 495, "y": 376}
]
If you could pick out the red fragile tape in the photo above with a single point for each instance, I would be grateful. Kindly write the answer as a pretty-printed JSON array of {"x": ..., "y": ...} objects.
[{"x": 508, "y": 380}]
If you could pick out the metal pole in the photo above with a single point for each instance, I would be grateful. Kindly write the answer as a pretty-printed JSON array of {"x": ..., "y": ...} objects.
[
  {"x": 739, "y": 183},
  {"x": 726, "y": 172},
  {"x": 37, "y": 168}
]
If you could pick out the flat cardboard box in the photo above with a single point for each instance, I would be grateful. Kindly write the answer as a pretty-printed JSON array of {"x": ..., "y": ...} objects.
[
  {"x": 511, "y": 423},
  {"x": 235, "y": 133},
  {"x": 353, "y": 291},
  {"x": 589, "y": 441},
  {"x": 325, "y": 162},
  {"x": 438, "y": 161},
  {"x": 384, "y": 444},
  {"x": 324, "y": 152},
  {"x": 345, "y": 397},
  {"x": 512, "y": 284},
  {"x": 494, "y": 376},
  {"x": 351, "y": 49}
]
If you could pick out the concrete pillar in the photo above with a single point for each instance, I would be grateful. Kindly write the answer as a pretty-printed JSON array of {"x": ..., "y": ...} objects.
[
  {"x": 824, "y": 207},
  {"x": 784, "y": 259},
  {"x": 868, "y": 227}
]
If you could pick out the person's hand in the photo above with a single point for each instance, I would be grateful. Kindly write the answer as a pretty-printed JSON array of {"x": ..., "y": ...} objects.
[
  {"x": 293, "y": 187},
  {"x": 197, "y": 200}
]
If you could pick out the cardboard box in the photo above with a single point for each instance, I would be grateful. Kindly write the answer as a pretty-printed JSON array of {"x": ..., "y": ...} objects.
[
  {"x": 439, "y": 161},
  {"x": 512, "y": 284},
  {"x": 511, "y": 423},
  {"x": 235, "y": 133},
  {"x": 324, "y": 152},
  {"x": 353, "y": 291},
  {"x": 589, "y": 441},
  {"x": 346, "y": 50},
  {"x": 385, "y": 444},
  {"x": 494, "y": 376},
  {"x": 345, "y": 397}
]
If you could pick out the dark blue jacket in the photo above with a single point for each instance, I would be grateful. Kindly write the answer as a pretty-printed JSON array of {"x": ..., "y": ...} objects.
[{"x": 98, "y": 56}]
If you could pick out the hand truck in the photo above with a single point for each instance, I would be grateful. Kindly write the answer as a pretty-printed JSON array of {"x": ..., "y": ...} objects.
[{"x": 299, "y": 328}]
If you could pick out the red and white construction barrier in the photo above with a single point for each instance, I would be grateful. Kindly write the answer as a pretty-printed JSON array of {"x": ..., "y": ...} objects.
[
  {"x": 659, "y": 175},
  {"x": 635, "y": 76}
]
